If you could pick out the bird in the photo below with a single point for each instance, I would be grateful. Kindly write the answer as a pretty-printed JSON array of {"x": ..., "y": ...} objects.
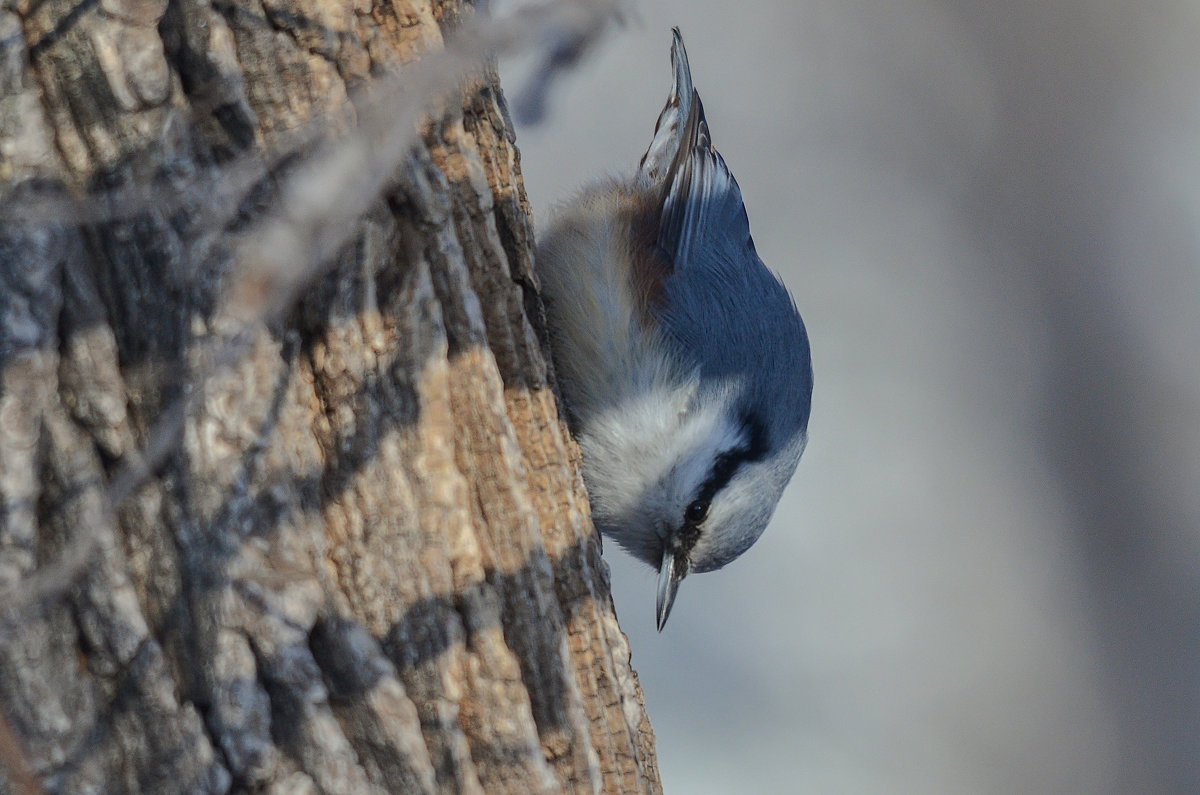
[{"x": 682, "y": 360}]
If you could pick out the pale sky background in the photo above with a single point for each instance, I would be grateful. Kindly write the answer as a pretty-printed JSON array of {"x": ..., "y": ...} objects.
[{"x": 985, "y": 576}]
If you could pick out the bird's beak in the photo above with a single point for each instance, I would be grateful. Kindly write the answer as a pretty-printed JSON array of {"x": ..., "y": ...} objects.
[{"x": 668, "y": 585}]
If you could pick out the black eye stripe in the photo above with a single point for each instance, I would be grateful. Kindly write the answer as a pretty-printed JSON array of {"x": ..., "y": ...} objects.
[
  {"x": 756, "y": 436},
  {"x": 727, "y": 464}
]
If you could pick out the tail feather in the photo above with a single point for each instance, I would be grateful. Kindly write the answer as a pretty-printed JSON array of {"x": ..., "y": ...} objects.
[
  {"x": 699, "y": 204},
  {"x": 668, "y": 130}
]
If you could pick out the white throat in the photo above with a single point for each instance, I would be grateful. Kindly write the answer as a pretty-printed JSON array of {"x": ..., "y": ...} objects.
[{"x": 645, "y": 456}]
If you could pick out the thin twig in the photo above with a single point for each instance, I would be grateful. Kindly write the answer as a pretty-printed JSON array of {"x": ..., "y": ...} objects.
[{"x": 324, "y": 198}]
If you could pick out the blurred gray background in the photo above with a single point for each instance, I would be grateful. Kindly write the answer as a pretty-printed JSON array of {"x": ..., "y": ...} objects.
[{"x": 985, "y": 576}]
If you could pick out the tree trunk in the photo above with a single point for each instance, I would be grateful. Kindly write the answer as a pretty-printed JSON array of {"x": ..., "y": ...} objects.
[{"x": 338, "y": 543}]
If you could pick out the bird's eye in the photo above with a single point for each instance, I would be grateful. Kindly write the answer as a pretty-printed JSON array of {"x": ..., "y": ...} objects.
[{"x": 697, "y": 512}]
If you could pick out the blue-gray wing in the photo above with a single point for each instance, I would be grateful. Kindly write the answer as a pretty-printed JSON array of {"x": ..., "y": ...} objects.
[{"x": 720, "y": 304}]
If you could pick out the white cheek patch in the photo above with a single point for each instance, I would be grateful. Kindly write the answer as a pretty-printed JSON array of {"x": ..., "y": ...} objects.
[
  {"x": 645, "y": 463},
  {"x": 630, "y": 448}
]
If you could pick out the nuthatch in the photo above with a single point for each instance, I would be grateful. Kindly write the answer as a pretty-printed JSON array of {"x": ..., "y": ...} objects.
[{"x": 683, "y": 362}]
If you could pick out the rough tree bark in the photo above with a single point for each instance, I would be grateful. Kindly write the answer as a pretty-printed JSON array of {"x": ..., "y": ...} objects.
[{"x": 361, "y": 559}]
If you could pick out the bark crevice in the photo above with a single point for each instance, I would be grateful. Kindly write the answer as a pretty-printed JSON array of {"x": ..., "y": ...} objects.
[{"x": 338, "y": 542}]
